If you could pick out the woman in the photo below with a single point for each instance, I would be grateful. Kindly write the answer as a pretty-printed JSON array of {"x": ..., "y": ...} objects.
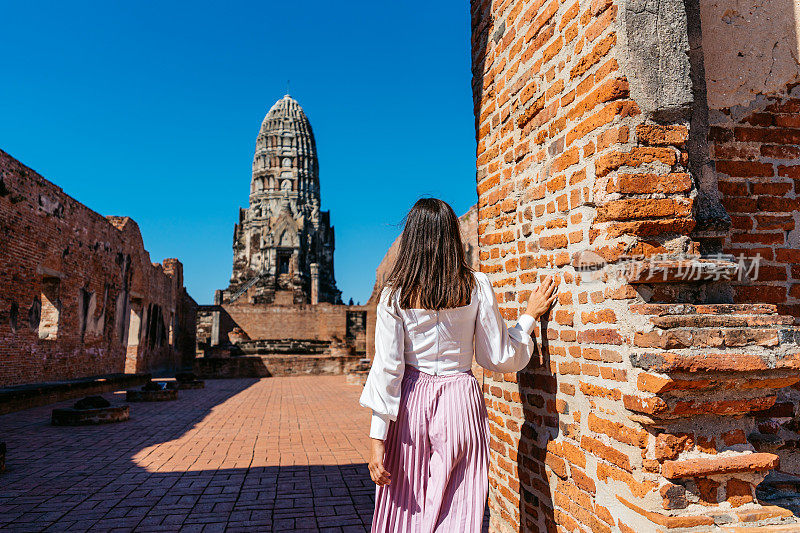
[{"x": 430, "y": 436}]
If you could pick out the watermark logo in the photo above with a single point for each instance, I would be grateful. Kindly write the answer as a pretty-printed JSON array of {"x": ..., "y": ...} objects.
[{"x": 667, "y": 267}]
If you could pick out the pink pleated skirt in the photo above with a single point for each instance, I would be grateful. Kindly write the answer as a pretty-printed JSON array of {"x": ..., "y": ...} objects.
[{"x": 437, "y": 452}]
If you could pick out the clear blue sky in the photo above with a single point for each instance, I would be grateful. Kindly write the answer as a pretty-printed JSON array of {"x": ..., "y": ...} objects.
[{"x": 151, "y": 110}]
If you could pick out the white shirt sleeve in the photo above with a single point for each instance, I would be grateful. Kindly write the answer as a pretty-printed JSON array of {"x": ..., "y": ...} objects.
[
  {"x": 382, "y": 389},
  {"x": 497, "y": 347}
]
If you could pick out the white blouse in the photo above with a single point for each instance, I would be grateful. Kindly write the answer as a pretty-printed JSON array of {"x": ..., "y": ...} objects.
[{"x": 440, "y": 343}]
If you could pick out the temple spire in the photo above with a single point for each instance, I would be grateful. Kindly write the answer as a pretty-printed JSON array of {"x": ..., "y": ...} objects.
[{"x": 283, "y": 232}]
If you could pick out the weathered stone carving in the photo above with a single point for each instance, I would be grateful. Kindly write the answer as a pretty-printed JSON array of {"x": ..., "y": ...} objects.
[{"x": 283, "y": 232}]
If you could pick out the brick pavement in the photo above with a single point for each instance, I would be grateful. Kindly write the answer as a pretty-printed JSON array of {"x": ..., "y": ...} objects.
[{"x": 282, "y": 454}]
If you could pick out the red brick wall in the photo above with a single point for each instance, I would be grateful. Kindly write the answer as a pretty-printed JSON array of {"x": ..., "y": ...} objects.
[
  {"x": 84, "y": 270},
  {"x": 754, "y": 117},
  {"x": 754, "y": 140},
  {"x": 756, "y": 157},
  {"x": 322, "y": 321},
  {"x": 652, "y": 394},
  {"x": 244, "y": 321}
]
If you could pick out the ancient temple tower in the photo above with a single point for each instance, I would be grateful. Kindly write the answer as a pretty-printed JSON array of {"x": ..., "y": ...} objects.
[{"x": 283, "y": 244}]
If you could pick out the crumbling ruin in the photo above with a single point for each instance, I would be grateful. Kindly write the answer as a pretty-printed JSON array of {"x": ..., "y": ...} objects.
[{"x": 79, "y": 295}]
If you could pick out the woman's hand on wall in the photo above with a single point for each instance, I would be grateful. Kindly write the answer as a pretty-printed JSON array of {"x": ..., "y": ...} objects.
[
  {"x": 542, "y": 297},
  {"x": 376, "y": 471}
]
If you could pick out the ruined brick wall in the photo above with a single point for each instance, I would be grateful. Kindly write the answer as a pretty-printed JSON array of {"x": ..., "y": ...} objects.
[
  {"x": 78, "y": 293},
  {"x": 204, "y": 324},
  {"x": 658, "y": 397},
  {"x": 321, "y": 321},
  {"x": 243, "y": 321},
  {"x": 186, "y": 327},
  {"x": 751, "y": 51},
  {"x": 753, "y": 96}
]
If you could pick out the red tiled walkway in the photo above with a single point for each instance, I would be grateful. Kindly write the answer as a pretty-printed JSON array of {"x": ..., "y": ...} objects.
[{"x": 279, "y": 454}]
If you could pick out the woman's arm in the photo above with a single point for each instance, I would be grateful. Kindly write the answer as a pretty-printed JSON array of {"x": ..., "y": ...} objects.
[
  {"x": 382, "y": 389},
  {"x": 503, "y": 349}
]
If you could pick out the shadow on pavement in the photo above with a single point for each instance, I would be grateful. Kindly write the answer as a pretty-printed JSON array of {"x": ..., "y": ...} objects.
[{"x": 165, "y": 471}]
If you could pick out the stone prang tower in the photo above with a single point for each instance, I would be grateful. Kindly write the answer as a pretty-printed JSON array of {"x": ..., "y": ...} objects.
[{"x": 283, "y": 244}]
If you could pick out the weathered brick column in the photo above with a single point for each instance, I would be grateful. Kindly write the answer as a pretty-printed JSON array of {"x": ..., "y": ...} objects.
[{"x": 665, "y": 389}]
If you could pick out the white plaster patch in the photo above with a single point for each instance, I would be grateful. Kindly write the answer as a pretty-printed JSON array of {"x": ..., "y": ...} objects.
[{"x": 750, "y": 47}]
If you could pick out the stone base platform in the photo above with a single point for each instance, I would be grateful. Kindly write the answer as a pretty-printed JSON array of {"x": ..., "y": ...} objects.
[
  {"x": 288, "y": 347},
  {"x": 186, "y": 385},
  {"x": 358, "y": 377},
  {"x": 88, "y": 417},
  {"x": 264, "y": 366},
  {"x": 36, "y": 394},
  {"x": 165, "y": 395}
]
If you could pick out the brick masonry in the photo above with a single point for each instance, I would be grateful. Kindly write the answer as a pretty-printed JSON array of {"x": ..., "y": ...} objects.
[
  {"x": 26, "y": 396},
  {"x": 79, "y": 295},
  {"x": 241, "y": 322},
  {"x": 628, "y": 162}
]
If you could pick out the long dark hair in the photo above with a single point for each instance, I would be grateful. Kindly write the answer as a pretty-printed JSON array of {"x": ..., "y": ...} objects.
[{"x": 431, "y": 270}]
